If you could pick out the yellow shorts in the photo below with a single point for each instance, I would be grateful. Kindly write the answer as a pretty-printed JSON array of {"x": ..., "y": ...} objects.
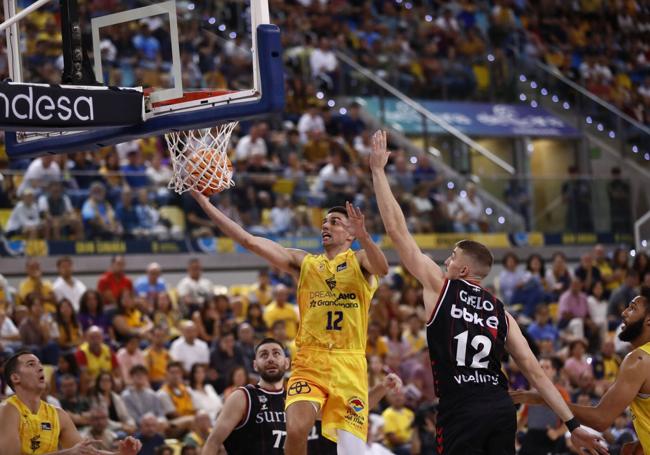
[{"x": 338, "y": 382}]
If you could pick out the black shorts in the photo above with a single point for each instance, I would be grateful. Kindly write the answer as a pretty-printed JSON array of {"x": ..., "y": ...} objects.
[{"x": 477, "y": 428}]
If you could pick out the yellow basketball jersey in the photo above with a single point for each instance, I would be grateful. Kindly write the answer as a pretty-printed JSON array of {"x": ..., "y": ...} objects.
[
  {"x": 641, "y": 413},
  {"x": 334, "y": 300},
  {"x": 39, "y": 433}
]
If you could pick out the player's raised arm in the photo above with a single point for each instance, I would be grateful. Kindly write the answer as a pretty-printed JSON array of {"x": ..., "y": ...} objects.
[
  {"x": 286, "y": 259},
  {"x": 420, "y": 265},
  {"x": 518, "y": 348},
  {"x": 371, "y": 258}
]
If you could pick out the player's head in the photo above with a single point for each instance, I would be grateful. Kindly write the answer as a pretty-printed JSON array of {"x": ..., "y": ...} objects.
[
  {"x": 24, "y": 371},
  {"x": 636, "y": 318},
  {"x": 270, "y": 361},
  {"x": 469, "y": 259},
  {"x": 334, "y": 230}
]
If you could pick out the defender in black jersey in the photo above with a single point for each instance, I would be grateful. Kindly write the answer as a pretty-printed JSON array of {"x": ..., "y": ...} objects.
[
  {"x": 253, "y": 420},
  {"x": 468, "y": 334}
]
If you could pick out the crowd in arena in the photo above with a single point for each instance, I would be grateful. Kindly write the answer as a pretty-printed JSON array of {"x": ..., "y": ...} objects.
[{"x": 139, "y": 355}]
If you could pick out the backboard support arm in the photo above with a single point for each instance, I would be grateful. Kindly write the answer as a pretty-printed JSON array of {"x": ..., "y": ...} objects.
[{"x": 77, "y": 69}]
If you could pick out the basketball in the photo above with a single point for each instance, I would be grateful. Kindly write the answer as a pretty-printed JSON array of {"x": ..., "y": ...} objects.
[{"x": 209, "y": 170}]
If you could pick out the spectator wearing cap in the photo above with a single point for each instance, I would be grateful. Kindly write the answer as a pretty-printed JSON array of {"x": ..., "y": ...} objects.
[
  {"x": 25, "y": 219},
  {"x": 189, "y": 349},
  {"x": 66, "y": 286},
  {"x": 151, "y": 284}
]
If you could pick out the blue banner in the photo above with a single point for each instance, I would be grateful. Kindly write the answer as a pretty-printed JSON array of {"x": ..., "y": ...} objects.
[{"x": 474, "y": 119}]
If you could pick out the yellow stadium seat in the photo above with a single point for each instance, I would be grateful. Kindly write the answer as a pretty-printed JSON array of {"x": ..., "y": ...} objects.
[
  {"x": 174, "y": 214},
  {"x": 553, "y": 310},
  {"x": 284, "y": 186},
  {"x": 482, "y": 75},
  {"x": 4, "y": 216}
]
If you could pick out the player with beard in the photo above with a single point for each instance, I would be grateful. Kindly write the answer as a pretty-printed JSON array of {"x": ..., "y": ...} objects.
[
  {"x": 253, "y": 419},
  {"x": 32, "y": 426},
  {"x": 632, "y": 385}
]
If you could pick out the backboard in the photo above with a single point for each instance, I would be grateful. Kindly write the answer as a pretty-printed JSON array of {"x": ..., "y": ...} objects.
[{"x": 199, "y": 63}]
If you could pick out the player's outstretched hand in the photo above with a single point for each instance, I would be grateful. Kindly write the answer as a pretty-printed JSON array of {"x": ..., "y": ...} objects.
[
  {"x": 392, "y": 382},
  {"x": 198, "y": 196},
  {"x": 379, "y": 154},
  {"x": 129, "y": 446},
  {"x": 526, "y": 397},
  {"x": 356, "y": 220},
  {"x": 589, "y": 442}
]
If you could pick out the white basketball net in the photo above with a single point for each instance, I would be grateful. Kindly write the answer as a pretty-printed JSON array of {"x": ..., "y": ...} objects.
[{"x": 200, "y": 159}]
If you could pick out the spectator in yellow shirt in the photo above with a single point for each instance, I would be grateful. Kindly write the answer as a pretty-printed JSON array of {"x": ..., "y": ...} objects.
[
  {"x": 398, "y": 422},
  {"x": 35, "y": 283},
  {"x": 376, "y": 344},
  {"x": 156, "y": 357},
  {"x": 280, "y": 310}
]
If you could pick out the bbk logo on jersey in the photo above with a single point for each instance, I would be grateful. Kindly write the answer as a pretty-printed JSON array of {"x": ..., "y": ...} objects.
[{"x": 466, "y": 312}]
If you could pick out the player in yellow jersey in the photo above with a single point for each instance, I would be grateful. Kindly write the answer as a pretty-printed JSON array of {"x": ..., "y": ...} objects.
[
  {"x": 632, "y": 385},
  {"x": 329, "y": 373},
  {"x": 30, "y": 426}
]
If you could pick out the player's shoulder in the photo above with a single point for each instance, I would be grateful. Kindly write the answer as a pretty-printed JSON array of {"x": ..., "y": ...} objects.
[
  {"x": 636, "y": 358},
  {"x": 8, "y": 412}
]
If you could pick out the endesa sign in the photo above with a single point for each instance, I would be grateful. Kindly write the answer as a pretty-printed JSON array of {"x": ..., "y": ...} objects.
[{"x": 50, "y": 107}]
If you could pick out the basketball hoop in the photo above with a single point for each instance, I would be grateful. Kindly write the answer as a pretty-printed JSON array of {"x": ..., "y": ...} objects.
[{"x": 200, "y": 159}]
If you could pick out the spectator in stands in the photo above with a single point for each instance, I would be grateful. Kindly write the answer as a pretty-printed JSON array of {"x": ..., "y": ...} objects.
[
  {"x": 604, "y": 265},
  {"x": 128, "y": 319},
  {"x": 68, "y": 325},
  {"x": 281, "y": 216},
  {"x": 620, "y": 199},
  {"x": 91, "y": 311},
  {"x": 401, "y": 173},
  {"x": 472, "y": 208},
  {"x": 253, "y": 143},
  {"x": 376, "y": 344},
  {"x": 204, "y": 397},
  {"x": 84, "y": 171},
  {"x": 76, "y": 405},
  {"x": 208, "y": 321},
  {"x": 34, "y": 283},
  {"x": 311, "y": 125},
  {"x": 262, "y": 290},
  {"x": 111, "y": 171},
  {"x": 58, "y": 214},
  {"x": 151, "y": 223},
  {"x": 198, "y": 223},
  {"x": 238, "y": 378},
  {"x": 573, "y": 308},
  {"x": 126, "y": 215},
  {"x": 129, "y": 356},
  {"x": 558, "y": 276},
  {"x": 38, "y": 331},
  {"x": 39, "y": 174},
  {"x": 641, "y": 264},
  {"x": 159, "y": 174},
  {"x": 98, "y": 429},
  {"x": 140, "y": 400},
  {"x": 621, "y": 297},
  {"x": 98, "y": 215},
  {"x": 9, "y": 335},
  {"x": 576, "y": 193},
  {"x": 510, "y": 278},
  {"x": 114, "y": 281},
  {"x": 7, "y": 297},
  {"x": 149, "y": 434},
  {"x": 542, "y": 328},
  {"x": 606, "y": 363},
  {"x": 103, "y": 395},
  {"x": 151, "y": 284},
  {"x": 95, "y": 357},
  {"x": 157, "y": 357},
  {"x": 255, "y": 317},
  {"x": 335, "y": 183},
  {"x": 166, "y": 315},
  {"x": 577, "y": 363},
  {"x": 176, "y": 399},
  {"x": 193, "y": 289},
  {"x": 398, "y": 422},
  {"x": 189, "y": 349},
  {"x": 135, "y": 172},
  {"x": 201, "y": 427},
  {"x": 587, "y": 272},
  {"x": 66, "y": 286},
  {"x": 324, "y": 65},
  {"x": 25, "y": 219},
  {"x": 598, "y": 306},
  {"x": 280, "y": 309},
  {"x": 224, "y": 358}
]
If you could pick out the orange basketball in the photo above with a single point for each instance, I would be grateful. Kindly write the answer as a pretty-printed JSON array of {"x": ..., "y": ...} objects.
[{"x": 209, "y": 170}]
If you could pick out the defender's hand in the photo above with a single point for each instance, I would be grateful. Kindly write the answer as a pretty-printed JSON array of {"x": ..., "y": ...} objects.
[
  {"x": 588, "y": 442},
  {"x": 379, "y": 154}
]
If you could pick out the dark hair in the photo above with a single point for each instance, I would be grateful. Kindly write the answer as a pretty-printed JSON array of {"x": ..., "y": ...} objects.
[
  {"x": 175, "y": 364},
  {"x": 74, "y": 323},
  {"x": 120, "y": 300},
  {"x": 98, "y": 380},
  {"x": 195, "y": 367},
  {"x": 11, "y": 366},
  {"x": 479, "y": 252},
  {"x": 542, "y": 268},
  {"x": 69, "y": 356},
  {"x": 338, "y": 209},
  {"x": 268, "y": 340},
  {"x": 508, "y": 255},
  {"x": 135, "y": 369},
  {"x": 31, "y": 298},
  {"x": 645, "y": 293},
  {"x": 63, "y": 259},
  {"x": 231, "y": 376},
  {"x": 83, "y": 302},
  {"x": 560, "y": 254}
]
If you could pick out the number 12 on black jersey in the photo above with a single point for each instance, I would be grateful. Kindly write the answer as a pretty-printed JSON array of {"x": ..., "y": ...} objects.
[{"x": 480, "y": 343}]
